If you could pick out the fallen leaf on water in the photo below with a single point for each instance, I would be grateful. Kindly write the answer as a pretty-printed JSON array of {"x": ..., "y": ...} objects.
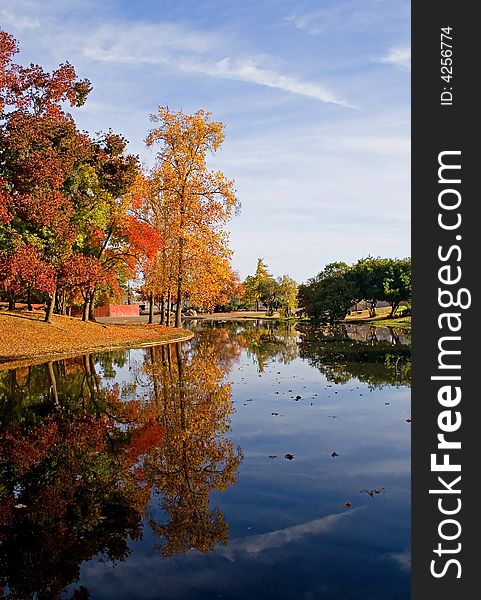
[{"x": 373, "y": 491}]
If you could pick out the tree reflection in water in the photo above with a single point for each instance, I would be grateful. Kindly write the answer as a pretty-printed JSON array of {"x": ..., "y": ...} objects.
[
  {"x": 79, "y": 463},
  {"x": 91, "y": 448},
  {"x": 376, "y": 356}
]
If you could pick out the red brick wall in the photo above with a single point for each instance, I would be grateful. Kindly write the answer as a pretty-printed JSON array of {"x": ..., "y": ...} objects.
[
  {"x": 111, "y": 310},
  {"x": 102, "y": 311},
  {"x": 121, "y": 310}
]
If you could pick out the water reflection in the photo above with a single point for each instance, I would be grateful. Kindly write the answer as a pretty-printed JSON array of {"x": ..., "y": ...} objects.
[
  {"x": 376, "y": 356},
  {"x": 80, "y": 459},
  {"x": 98, "y": 452}
]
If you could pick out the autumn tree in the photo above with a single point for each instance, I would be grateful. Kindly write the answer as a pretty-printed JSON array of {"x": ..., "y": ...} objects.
[
  {"x": 198, "y": 202},
  {"x": 39, "y": 147},
  {"x": 23, "y": 269},
  {"x": 257, "y": 285},
  {"x": 108, "y": 231}
]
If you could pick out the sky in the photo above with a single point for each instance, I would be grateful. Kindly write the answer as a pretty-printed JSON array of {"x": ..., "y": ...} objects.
[{"x": 315, "y": 97}]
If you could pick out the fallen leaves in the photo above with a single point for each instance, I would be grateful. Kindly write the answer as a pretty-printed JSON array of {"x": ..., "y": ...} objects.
[
  {"x": 25, "y": 336},
  {"x": 373, "y": 491}
]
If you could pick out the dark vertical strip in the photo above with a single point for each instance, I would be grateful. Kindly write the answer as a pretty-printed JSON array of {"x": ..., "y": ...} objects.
[{"x": 445, "y": 246}]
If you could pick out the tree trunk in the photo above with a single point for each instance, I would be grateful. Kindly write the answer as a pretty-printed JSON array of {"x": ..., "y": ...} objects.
[
  {"x": 62, "y": 304},
  {"x": 11, "y": 301},
  {"x": 167, "y": 320},
  {"x": 92, "y": 306},
  {"x": 162, "y": 311},
  {"x": 85, "y": 308},
  {"x": 29, "y": 300},
  {"x": 180, "y": 274},
  {"x": 394, "y": 307},
  {"x": 178, "y": 308},
  {"x": 50, "y": 306},
  {"x": 151, "y": 307}
]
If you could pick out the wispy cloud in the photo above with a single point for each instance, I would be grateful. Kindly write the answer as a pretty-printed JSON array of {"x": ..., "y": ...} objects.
[
  {"x": 144, "y": 43},
  {"x": 176, "y": 47},
  {"x": 20, "y": 22},
  {"x": 350, "y": 15},
  {"x": 307, "y": 169},
  {"x": 399, "y": 57},
  {"x": 247, "y": 70}
]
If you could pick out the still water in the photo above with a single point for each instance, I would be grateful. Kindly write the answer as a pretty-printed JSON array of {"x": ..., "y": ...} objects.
[{"x": 257, "y": 460}]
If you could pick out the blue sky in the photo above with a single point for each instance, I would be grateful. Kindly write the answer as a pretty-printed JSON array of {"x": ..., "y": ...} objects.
[{"x": 315, "y": 96}]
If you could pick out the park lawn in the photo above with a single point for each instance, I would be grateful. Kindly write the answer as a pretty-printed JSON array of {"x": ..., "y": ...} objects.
[
  {"x": 25, "y": 336},
  {"x": 380, "y": 320}
]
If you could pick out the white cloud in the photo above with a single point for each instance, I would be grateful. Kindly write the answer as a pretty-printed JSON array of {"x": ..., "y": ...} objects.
[
  {"x": 399, "y": 57},
  {"x": 351, "y": 15},
  {"x": 177, "y": 47},
  {"x": 20, "y": 22},
  {"x": 246, "y": 70},
  {"x": 143, "y": 43}
]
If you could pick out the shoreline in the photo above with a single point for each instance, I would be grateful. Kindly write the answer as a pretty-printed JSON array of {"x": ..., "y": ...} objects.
[{"x": 27, "y": 339}]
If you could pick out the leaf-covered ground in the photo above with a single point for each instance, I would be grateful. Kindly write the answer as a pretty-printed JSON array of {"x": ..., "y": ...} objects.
[{"x": 25, "y": 336}]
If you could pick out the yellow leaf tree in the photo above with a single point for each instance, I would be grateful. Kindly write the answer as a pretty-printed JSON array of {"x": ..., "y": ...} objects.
[{"x": 194, "y": 202}]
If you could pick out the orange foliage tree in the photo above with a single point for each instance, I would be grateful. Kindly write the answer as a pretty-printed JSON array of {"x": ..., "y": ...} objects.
[{"x": 190, "y": 205}]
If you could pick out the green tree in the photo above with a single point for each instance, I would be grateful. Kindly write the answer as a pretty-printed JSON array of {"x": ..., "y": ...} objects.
[
  {"x": 287, "y": 293},
  {"x": 329, "y": 295},
  {"x": 397, "y": 282},
  {"x": 368, "y": 276}
]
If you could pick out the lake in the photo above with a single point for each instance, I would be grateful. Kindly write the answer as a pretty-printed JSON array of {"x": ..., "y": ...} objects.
[{"x": 260, "y": 460}]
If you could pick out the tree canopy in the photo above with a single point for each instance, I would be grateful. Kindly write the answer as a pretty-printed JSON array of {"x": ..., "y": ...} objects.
[
  {"x": 79, "y": 218},
  {"x": 330, "y": 295}
]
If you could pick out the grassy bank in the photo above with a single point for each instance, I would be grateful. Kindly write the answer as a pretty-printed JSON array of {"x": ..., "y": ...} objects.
[
  {"x": 380, "y": 320},
  {"x": 25, "y": 337}
]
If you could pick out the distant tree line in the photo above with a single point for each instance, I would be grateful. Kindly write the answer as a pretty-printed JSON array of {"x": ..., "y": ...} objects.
[
  {"x": 334, "y": 291},
  {"x": 275, "y": 294}
]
